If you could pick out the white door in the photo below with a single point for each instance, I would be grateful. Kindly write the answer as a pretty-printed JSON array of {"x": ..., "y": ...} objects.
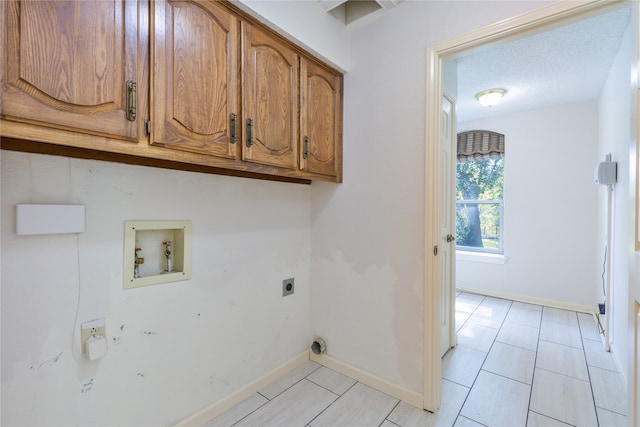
[{"x": 447, "y": 226}]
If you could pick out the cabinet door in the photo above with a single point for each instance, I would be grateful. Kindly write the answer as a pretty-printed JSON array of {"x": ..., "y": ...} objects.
[
  {"x": 320, "y": 120},
  {"x": 270, "y": 100},
  {"x": 195, "y": 77},
  {"x": 68, "y": 63}
]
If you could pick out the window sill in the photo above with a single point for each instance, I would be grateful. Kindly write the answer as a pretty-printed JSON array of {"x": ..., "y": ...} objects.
[{"x": 481, "y": 257}]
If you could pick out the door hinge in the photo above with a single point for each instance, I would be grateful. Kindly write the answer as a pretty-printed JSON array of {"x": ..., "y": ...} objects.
[
  {"x": 147, "y": 126},
  {"x": 435, "y": 250},
  {"x": 131, "y": 100}
]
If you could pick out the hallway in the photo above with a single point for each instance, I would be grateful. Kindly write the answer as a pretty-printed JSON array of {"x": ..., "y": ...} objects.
[
  {"x": 548, "y": 364},
  {"x": 515, "y": 365}
]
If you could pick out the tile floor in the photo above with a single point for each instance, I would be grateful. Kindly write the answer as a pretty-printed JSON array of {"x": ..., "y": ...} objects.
[{"x": 515, "y": 365}]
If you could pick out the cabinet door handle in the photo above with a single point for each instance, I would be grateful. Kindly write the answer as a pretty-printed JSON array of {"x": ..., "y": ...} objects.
[
  {"x": 305, "y": 147},
  {"x": 450, "y": 238},
  {"x": 131, "y": 100},
  {"x": 249, "y": 132},
  {"x": 233, "y": 136}
]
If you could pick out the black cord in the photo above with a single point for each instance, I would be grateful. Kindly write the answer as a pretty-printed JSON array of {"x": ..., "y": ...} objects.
[{"x": 604, "y": 292}]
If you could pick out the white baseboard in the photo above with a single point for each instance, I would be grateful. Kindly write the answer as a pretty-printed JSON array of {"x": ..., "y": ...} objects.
[
  {"x": 369, "y": 379},
  {"x": 215, "y": 409},
  {"x": 615, "y": 352},
  {"x": 531, "y": 300}
]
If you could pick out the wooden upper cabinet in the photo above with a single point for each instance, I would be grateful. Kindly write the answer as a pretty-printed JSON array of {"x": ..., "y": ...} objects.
[
  {"x": 320, "y": 120},
  {"x": 48, "y": 79},
  {"x": 191, "y": 84},
  {"x": 270, "y": 99},
  {"x": 195, "y": 78}
]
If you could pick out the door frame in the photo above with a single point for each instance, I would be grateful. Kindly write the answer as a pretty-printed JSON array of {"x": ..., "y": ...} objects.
[{"x": 531, "y": 22}]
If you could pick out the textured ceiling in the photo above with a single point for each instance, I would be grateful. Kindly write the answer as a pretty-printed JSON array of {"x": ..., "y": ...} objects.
[{"x": 566, "y": 64}]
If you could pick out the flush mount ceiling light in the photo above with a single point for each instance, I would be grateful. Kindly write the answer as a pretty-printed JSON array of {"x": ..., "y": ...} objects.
[{"x": 490, "y": 97}]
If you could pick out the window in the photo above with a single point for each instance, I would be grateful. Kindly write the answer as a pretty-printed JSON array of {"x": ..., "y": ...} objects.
[{"x": 479, "y": 191}]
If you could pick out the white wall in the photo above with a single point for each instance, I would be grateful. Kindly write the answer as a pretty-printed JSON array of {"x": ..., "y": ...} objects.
[
  {"x": 367, "y": 234},
  {"x": 614, "y": 136},
  {"x": 550, "y": 205},
  {"x": 173, "y": 348},
  {"x": 308, "y": 24}
]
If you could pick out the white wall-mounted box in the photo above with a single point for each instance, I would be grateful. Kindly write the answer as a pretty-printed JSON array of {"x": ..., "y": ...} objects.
[
  {"x": 147, "y": 241},
  {"x": 49, "y": 219}
]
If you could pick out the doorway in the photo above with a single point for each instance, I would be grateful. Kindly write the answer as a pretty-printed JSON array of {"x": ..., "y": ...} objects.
[{"x": 556, "y": 15}]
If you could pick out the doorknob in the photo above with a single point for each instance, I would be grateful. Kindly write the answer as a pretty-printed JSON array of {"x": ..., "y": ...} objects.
[{"x": 450, "y": 238}]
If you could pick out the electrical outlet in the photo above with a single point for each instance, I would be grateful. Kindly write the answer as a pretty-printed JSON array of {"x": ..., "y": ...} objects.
[
  {"x": 90, "y": 328},
  {"x": 287, "y": 287}
]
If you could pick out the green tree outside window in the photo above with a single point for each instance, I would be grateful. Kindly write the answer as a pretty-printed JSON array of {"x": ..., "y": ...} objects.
[{"x": 479, "y": 195}]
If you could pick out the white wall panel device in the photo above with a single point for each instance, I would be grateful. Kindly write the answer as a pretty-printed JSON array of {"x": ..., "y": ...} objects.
[
  {"x": 606, "y": 173},
  {"x": 49, "y": 219}
]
